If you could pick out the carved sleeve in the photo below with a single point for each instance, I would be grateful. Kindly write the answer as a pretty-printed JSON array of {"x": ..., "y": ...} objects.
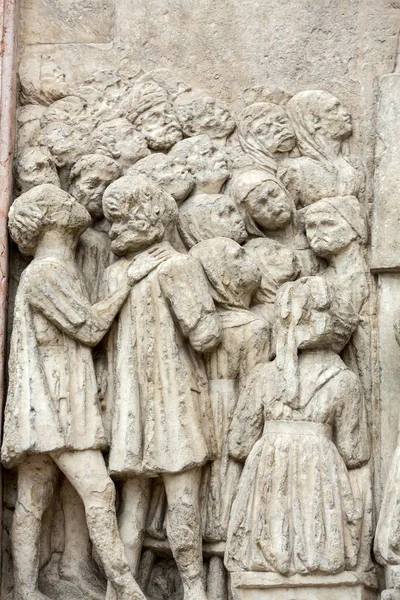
[
  {"x": 184, "y": 285},
  {"x": 53, "y": 293},
  {"x": 351, "y": 429},
  {"x": 248, "y": 417}
]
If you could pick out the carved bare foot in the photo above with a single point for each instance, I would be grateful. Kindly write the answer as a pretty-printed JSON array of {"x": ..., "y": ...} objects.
[
  {"x": 195, "y": 591},
  {"x": 126, "y": 588},
  {"x": 84, "y": 577}
]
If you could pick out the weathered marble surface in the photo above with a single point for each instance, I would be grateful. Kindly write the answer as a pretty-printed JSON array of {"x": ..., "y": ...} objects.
[{"x": 195, "y": 184}]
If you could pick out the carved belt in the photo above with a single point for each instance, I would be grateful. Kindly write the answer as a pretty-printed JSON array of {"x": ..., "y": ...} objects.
[{"x": 298, "y": 428}]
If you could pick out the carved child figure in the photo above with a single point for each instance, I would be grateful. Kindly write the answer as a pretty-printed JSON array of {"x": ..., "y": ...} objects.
[
  {"x": 295, "y": 511},
  {"x": 161, "y": 414},
  {"x": 52, "y": 415}
]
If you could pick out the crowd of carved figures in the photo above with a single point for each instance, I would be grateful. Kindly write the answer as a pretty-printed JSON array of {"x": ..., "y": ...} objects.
[{"x": 189, "y": 371}]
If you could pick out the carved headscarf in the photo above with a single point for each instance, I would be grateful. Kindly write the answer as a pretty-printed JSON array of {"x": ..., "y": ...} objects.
[
  {"x": 349, "y": 209},
  {"x": 302, "y": 109},
  {"x": 195, "y": 222},
  {"x": 241, "y": 186},
  {"x": 249, "y": 142},
  {"x": 295, "y": 301},
  {"x": 230, "y": 287}
]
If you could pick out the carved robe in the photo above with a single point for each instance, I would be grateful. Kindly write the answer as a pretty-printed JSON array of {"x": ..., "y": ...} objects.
[
  {"x": 157, "y": 394},
  {"x": 52, "y": 402},
  {"x": 295, "y": 511}
]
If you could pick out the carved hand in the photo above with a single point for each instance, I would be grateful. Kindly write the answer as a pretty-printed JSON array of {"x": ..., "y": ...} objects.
[{"x": 146, "y": 262}]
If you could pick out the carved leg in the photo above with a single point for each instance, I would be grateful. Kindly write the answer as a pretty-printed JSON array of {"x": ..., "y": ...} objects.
[
  {"x": 135, "y": 501},
  {"x": 36, "y": 482},
  {"x": 216, "y": 580},
  {"x": 184, "y": 531},
  {"x": 86, "y": 470},
  {"x": 76, "y": 564}
]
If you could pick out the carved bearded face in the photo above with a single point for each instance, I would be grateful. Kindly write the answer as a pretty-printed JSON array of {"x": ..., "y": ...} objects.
[
  {"x": 208, "y": 164},
  {"x": 334, "y": 120},
  {"x": 327, "y": 232},
  {"x": 90, "y": 184},
  {"x": 199, "y": 113},
  {"x": 160, "y": 126},
  {"x": 270, "y": 205},
  {"x": 273, "y": 130}
]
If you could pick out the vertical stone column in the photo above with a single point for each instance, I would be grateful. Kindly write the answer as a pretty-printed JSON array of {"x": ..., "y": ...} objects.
[{"x": 8, "y": 46}]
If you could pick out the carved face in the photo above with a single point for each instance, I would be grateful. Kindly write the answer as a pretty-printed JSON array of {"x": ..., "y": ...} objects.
[
  {"x": 129, "y": 146},
  {"x": 208, "y": 164},
  {"x": 67, "y": 144},
  {"x": 199, "y": 113},
  {"x": 327, "y": 232},
  {"x": 53, "y": 80},
  {"x": 34, "y": 167},
  {"x": 88, "y": 188},
  {"x": 160, "y": 126},
  {"x": 274, "y": 131},
  {"x": 242, "y": 272},
  {"x": 226, "y": 220},
  {"x": 334, "y": 120},
  {"x": 176, "y": 179},
  {"x": 270, "y": 205}
]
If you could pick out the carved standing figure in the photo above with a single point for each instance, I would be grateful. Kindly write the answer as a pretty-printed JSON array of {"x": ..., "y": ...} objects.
[
  {"x": 157, "y": 389},
  {"x": 321, "y": 124},
  {"x": 295, "y": 512},
  {"x": 53, "y": 416},
  {"x": 244, "y": 343}
]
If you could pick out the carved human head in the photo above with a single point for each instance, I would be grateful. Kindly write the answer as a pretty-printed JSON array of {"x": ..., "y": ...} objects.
[
  {"x": 149, "y": 108},
  {"x": 200, "y": 113},
  {"x": 207, "y": 216},
  {"x": 205, "y": 160},
  {"x": 278, "y": 265},
  {"x": 262, "y": 200},
  {"x": 66, "y": 143},
  {"x": 333, "y": 223},
  {"x": 42, "y": 81},
  {"x": 317, "y": 116},
  {"x": 34, "y": 166},
  {"x": 43, "y": 208},
  {"x": 170, "y": 174},
  {"x": 140, "y": 212},
  {"x": 119, "y": 140},
  {"x": 89, "y": 178},
  {"x": 264, "y": 129},
  {"x": 233, "y": 276}
]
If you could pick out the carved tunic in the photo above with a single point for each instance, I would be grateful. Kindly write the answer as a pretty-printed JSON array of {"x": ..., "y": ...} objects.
[
  {"x": 244, "y": 344},
  {"x": 161, "y": 417},
  {"x": 295, "y": 511},
  {"x": 52, "y": 400}
]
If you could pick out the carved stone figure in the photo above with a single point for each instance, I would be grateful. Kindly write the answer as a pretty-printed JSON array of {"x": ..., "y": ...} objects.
[
  {"x": 206, "y": 216},
  {"x": 149, "y": 108},
  {"x": 89, "y": 179},
  {"x": 278, "y": 264},
  {"x": 119, "y": 140},
  {"x": 42, "y": 81},
  {"x": 169, "y": 173},
  {"x": 205, "y": 160},
  {"x": 244, "y": 343},
  {"x": 34, "y": 166},
  {"x": 161, "y": 414},
  {"x": 321, "y": 124},
  {"x": 265, "y": 131},
  {"x": 263, "y": 201},
  {"x": 307, "y": 411},
  {"x": 200, "y": 113},
  {"x": 52, "y": 413}
]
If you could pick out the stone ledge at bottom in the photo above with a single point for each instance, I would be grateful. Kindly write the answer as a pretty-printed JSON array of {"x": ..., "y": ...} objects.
[{"x": 270, "y": 586}]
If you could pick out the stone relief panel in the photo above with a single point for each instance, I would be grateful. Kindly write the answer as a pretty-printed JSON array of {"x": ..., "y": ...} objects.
[{"x": 189, "y": 404}]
